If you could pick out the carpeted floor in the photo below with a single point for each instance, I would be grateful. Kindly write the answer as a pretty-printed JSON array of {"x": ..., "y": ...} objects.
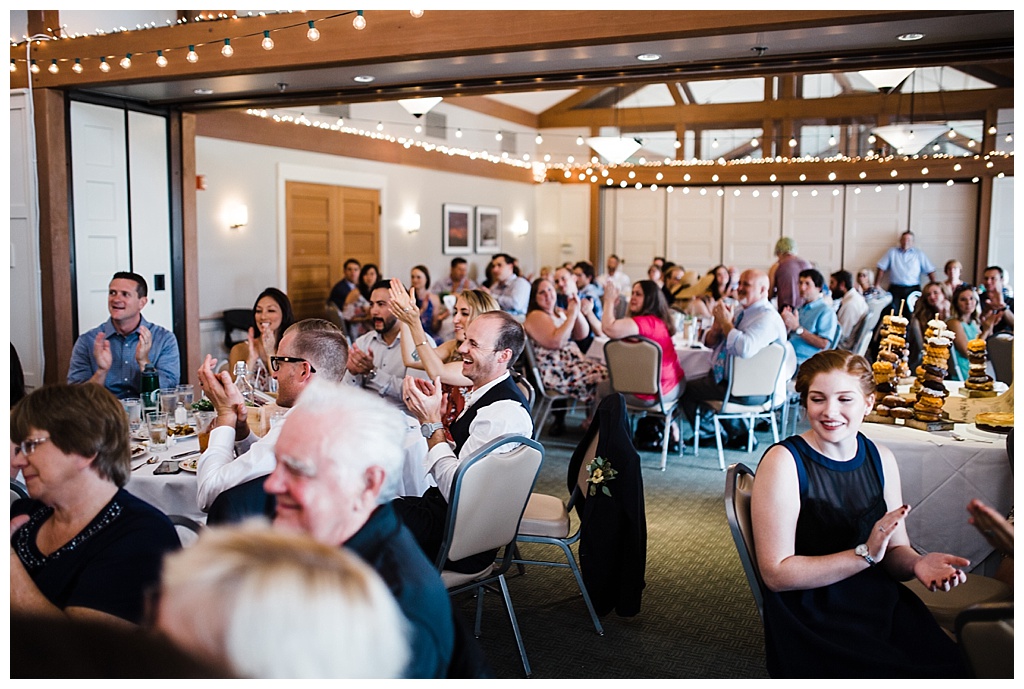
[{"x": 698, "y": 618}]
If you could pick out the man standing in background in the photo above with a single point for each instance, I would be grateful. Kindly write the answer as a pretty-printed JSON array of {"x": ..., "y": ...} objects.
[{"x": 905, "y": 264}]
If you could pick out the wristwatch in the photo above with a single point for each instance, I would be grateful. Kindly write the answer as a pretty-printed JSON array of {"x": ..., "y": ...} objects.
[
  {"x": 799, "y": 331},
  {"x": 371, "y": 374},
  {"x": 428, "y": 429},
  {"x": 862, "y": 550}
]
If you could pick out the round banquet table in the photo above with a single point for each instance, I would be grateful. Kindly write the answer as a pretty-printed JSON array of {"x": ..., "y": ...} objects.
[{"x": 169, "y": 493}]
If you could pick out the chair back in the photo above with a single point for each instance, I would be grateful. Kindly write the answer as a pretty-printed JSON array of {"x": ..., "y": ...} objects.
[
  {"x": 755, "y": 376},
  {"x": 533, "y": 374},
  {"x": 489, "y": 496},
  {"x": 236, "y": 319},
  {"x": 867, "y": 328},
  {"x": 834, "y": 342},
  {"x": 18, "y": 491},
  {"x": 912, "y": 300},
  {"x": 333, "y": 314},
  {"x": 634, "y": 365},
  {"x": 1000, "y": 353},
  {"x": 524, "y": 387},
  {"x": 188, "y": 529},
  {"x": 985, "y": 636},
  {"x": 739, "y": 484}
]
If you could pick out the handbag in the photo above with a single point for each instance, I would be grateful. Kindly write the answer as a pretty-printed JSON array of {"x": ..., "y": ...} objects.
[{"x": 649, "y": 434}]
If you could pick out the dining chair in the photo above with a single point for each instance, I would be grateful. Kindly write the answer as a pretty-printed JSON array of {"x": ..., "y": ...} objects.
[
  {"x": 481, "y": 518},
  {"x": 236, "y": 319},
  {"x": 546, "y": 521},
  {"x": 875, "y": 309},
  {"x": 634, "y": 368},
  {"x": 739, "y": 485},
  {"x": 524, "y": 387},
  {"x": 984, "y": 634},
  {"x": 188, "y": 529},
  {"x": 755, "y": 377},
  {"x": 547, "y": 401},
  {"x": 945, "y": 606},
  {"x": 1000, "y": 354}
]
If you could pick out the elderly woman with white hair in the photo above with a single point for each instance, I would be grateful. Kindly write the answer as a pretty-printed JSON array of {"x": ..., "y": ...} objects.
[{"x": 269, "y": 604}]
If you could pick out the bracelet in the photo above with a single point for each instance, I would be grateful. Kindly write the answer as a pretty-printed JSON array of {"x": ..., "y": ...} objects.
[{"x": 420, "y": 344}]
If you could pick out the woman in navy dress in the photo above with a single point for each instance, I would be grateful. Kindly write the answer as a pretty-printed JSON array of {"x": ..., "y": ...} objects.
[{"x": 832, "y": 545}]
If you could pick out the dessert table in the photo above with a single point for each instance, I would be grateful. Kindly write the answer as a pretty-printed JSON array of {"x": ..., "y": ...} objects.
[{"x": 940, "y": 475}]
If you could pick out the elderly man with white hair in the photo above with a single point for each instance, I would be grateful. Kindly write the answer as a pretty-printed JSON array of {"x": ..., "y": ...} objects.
[{"x": 337, "y": 455}]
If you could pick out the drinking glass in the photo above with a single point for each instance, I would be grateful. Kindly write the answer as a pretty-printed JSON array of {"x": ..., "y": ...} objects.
[
  {"x": 156, "y": 421},
  {"x": 204, "y": 424},
  {"x": 169, "y": 400},
  {"x": 133, "y": 405},
  {"x": 185, "y": 396}
]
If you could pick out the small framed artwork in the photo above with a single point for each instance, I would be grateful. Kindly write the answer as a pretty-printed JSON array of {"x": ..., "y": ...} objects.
[
  {"x": 488, "y": 230},
  {"x": 457, "y": 229}
]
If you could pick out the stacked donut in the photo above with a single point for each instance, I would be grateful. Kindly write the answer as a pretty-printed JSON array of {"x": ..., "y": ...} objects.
[
  {"x": 933, "y": 370},
  {"x": 889, "y": 403},
  {"x": 977, "y": 355},
  {"x": 894, "y": 344}
]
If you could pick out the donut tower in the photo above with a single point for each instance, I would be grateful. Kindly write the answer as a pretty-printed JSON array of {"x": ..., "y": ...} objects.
[
  {"x": 931, "y": 392},
  {"x": 977, "y": 356},
  {"x": 889, "y": 368}
]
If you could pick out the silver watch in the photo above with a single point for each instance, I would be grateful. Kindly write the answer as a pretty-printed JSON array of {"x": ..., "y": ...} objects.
[
  {"x": 799, "y": 331},
  {"x": 862, "y": 550},
  {"x": 428, "y": 429}
]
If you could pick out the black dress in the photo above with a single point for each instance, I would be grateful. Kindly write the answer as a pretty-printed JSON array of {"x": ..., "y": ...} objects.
[{"x": 868, "y": 625}]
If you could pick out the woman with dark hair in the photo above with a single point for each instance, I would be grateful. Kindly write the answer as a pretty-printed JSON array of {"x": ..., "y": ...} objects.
[
  {"x": 272, "y": 314},
  {"x": 830, "y": 533},
  {"x": 357, "y": 304},
  {"x": 552, "y": 332},
  {"x": 81, "y": 546},
  {"x": 931, "y": 305},
  {"x": 428, "y": 303},
  {"x": 967, "y": 324}
]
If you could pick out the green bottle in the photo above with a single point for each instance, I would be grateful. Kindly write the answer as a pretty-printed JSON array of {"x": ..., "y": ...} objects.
[{"x": 150, "y": 390}]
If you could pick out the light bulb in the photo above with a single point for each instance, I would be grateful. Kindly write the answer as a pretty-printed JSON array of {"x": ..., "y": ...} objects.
[
  {"x": 53, "y": 68},
  {"x": 359, "y": 22},
  {"x": 497, "y": 137},
  {"x": 678, "y": 144},
  {"x": 161, "y": 61},
  {"x": 314, "y": 33},
  {"x": 579, "y": 140},
  {"x": 992, "y": 129},
  {"x": 831, "y": 141},
  {"x": 951, "y": 134},
  {"x": 126, "y": 61},
  {"x": 792, "y": 143},
  {"x": 416, "y": 13},
  {"x": 34, "y": 68},
  {"x": 380, "y": 126},
  {"x": 267, "y": 42},
  {"x": 754, "y": 142},
  {"x": 77, "y": 67},
  {"x": 539, "y": 140},
  {"x": 14, "y": 67},
  {"x": 714, "y": 143},
  {"x": 1009, "y": 138},
  {"x": 104, "y": 66},
  {"x": 192, "y": 56},
  {"x": 418, "y": 129},
  {"x": 458, "y": 133},
  {"x": 227, "y": 50}
]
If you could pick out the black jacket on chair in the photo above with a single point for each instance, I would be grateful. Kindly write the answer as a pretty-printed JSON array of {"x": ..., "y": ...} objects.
[{"x": 613, "y": 539}]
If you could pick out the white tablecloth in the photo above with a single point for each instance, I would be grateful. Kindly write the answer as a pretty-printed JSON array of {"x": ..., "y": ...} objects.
[
  {"x": 940, "y": 475},
  {"x": 169, "y": 493}
]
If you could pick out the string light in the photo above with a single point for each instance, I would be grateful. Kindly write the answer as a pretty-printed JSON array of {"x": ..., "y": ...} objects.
[
  {"x": 104, "y": 67},
  {"x": 53, "y": 68},
  {"x": 192, "y": 56},
  {"x": 14, "y": 66},
  {"x": 359, "y": 22},
  {"x": 227, "y": 50},
  {"x": 380, "y": 126},
  {"x": 579, "y": 140},
  {"x": 161, "y": 61},
  {"x": 314, "y": 33},
  {"x": 33, "y": 67},
  {"x": 539, "y": 139},
  {"x": 416, "y": 13},
  {"x": 126, "y": 61},
  {"x": 458, "y": 133},
  {"x": 267, "y": 42},
  {"x": 77, "y": 67}
]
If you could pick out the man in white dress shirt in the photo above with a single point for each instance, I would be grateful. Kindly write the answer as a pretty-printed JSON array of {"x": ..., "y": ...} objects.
[
  {"x": 511, "y": 290},
  {"x": 310, "y": 348},
  {"x": 853, "y": 308},
  {"x": 494, "y": 407},
  {"x": 622, "y": 280}
]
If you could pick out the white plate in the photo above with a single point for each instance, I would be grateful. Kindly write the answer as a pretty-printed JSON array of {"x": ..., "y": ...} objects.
[
  {"x": 189, "y": 465},
  {"x": 138, "y": 451},
  {"x": 972, "y": 431}
]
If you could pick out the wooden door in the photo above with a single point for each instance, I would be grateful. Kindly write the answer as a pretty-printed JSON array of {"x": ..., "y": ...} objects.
[{"x": 327, "y": 225}]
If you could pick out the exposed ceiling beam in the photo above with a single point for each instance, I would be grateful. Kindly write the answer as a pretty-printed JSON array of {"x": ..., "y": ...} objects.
[
  {"x": 495, "y": 108},
  {"x": 566, "y": 104},
  {"x": 992, "y": 74}
]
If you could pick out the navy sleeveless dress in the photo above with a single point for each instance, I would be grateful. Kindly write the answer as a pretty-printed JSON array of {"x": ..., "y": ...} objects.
[{"x": 868, "y": 625}]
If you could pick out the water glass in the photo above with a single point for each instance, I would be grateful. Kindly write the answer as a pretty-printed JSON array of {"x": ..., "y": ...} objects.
[
  {"x": 156, "y": 422},
  {"x": 204, "y": 424},
  {"x": 185, "y": 396},
  {"x": 133, "y": 406},
  {"x": 169, "y": 400},
  {"x": 277, "y": 418}
]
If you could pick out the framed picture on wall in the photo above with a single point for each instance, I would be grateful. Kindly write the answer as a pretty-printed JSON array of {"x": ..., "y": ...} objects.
[
  {"x": 488, "y": 230},
  {"x": 457, "y": 229}
]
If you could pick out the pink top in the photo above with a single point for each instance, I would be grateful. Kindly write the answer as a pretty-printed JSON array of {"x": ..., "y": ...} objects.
[{"x": 671, "y": 372}]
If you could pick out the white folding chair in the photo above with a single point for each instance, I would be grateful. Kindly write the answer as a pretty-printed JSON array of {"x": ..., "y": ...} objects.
[{"x": 756, "y": 376}]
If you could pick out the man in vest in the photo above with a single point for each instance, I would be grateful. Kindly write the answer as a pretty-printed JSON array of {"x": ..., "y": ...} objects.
[{"x": 494, "y": 407}]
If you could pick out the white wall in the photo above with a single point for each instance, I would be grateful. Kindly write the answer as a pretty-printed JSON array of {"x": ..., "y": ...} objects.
[{"x": 234, "y": 266}]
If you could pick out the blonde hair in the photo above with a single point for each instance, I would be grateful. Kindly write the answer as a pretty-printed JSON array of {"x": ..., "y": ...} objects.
[
  {"x": 278, "y": 605},
  {"x": 479, "y": 302}
]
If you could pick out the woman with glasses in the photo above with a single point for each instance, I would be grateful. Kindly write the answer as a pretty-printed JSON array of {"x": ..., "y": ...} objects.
[
  {"x": 445, "y": 360},
  {"x": 272, "y": 314},
  {"x": 81, "y": 545}
]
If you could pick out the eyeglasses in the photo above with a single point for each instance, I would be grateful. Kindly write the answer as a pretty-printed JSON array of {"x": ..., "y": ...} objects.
[
  {"x": 29, "y": 445},
  {"x": 276, "y": 361}
]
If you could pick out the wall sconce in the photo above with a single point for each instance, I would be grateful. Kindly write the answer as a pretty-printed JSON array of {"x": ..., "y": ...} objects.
[
  {"x": 238, "y": 216},
  {"x": 520, "y": 228},
  {"x": 410, "y": 223}
]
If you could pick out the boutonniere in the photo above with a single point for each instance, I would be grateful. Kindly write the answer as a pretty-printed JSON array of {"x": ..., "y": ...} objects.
[{"x": 600, "y": 473}]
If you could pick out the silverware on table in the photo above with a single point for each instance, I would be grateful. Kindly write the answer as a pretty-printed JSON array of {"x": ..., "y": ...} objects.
[
  {"x": 185, "y": 454},
  {"x": 956, "y": 436},
  {"x": 152, "y": 460}
]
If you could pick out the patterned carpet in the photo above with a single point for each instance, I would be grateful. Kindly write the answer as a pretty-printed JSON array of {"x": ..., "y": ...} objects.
[{"x": 698, "y": 618}]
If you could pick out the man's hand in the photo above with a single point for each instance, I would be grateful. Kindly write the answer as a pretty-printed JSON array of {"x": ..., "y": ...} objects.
[
  {"x": 101, "y": 353},
  {"x": 226, "y": 398},
  {"x": 142, "y": 349},
  {"x": 791, "y": 320},
  {"x": 423, "y": 398},
  {"x": 359, "y": 362}
]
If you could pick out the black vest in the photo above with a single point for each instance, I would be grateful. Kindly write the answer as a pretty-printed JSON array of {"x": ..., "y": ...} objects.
[{"x": 505, "y": 390}]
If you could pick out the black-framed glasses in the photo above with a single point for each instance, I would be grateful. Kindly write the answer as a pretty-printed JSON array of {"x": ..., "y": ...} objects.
[
  {"x": 29, "y": 445},
  {"x": 276, "y": 361}
]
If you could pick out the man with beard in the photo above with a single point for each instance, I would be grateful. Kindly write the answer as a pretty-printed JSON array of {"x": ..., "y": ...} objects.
[{"x": 375, "y": 358}]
